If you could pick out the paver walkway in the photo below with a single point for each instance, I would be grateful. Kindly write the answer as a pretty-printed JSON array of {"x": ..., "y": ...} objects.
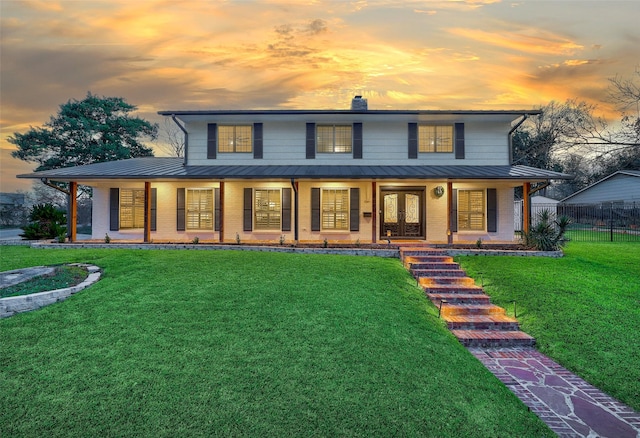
[{"x": 570, "y": 406}]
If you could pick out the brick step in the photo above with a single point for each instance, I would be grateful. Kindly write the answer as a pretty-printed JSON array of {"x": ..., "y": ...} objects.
[
  {"x": 451, "y": 288},
  {"x": 435, "y": 273},
  {"x": 492, "y": 338},
  {"x": 481, "y": 322},
  {"x": 404, "y": 253},
  {"x": 459, "y": 298},
  {"x": 432, "y": 265},
  {"x": 428, "y": 259},
  {"x": 471, "y": 309},
  {"x": 460, "y": 281}
]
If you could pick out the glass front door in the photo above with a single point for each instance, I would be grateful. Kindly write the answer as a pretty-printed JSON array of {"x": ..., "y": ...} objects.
[{"x": 402, "y": 214}]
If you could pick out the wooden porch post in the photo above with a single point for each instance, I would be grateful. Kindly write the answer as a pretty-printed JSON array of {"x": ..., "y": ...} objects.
[
  {"x": 374, "y": 213},
  {"x": 73, "y": 211},
  {"x": 526, "y": 209},
  {"x": 221, "y": 211},
  {"x": 449, "y": 207},
  {"x": 147, "y": 212}
]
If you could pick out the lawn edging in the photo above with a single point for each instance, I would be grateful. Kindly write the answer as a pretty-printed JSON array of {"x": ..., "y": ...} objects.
[{"x": 25, "y": 303}]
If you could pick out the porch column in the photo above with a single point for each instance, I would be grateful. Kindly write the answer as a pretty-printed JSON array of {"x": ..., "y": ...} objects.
[
  {"x": 526, "y": 208},
  {"x": 374, "y": 213},
  {"x": 221, "y": 231},
  {"x": 73, "y": 211},
  {"x": 147, "y": 212},
  {"x": 449, "y": 208}
]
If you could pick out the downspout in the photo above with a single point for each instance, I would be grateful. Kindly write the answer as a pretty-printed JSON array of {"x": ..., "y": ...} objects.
[
  {"x": 510, "y": 136},
  {"x": 294, "y": 185},
  {"x": 186, "y": 137}
]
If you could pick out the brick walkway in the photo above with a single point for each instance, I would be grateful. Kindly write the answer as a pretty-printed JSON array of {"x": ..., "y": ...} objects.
[{"x": 570, "y": 406}]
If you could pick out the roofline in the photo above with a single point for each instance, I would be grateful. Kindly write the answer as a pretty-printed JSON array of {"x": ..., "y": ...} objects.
[
  {"x": 622, "y": 172},
  {"x": 373, "y": 112}
]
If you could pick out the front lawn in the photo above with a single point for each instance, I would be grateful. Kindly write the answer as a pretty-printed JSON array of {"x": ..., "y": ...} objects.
[
  {"x": 226, "y": 343},
  {"x": 583, "y": 309}
]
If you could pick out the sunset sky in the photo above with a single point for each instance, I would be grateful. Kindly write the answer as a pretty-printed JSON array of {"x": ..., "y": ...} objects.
[{"x": 161, "y": 55}]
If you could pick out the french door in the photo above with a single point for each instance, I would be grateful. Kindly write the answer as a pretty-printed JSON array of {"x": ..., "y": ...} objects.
[{"x": 402, "y": 213}]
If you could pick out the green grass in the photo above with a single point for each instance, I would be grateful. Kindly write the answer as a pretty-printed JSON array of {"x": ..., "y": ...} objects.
[
  {"x": 225, "y": 343},
  {"x": 583, "y": 309},
  {"x": 63, "y": 276}
]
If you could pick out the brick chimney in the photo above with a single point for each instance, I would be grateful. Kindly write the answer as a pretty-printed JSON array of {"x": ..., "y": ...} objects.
[{"x": 359, "y": 104}]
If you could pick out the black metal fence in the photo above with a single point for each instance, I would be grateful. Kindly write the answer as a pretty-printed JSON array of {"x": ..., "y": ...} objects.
[{"x": 609, "y": 221}]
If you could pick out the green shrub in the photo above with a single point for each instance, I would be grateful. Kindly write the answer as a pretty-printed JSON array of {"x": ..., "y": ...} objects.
[
  {"x": 547, "y": 234},
  {"x": 46, "y": 222}
]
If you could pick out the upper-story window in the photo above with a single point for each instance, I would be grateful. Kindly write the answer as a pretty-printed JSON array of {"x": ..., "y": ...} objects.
[
  {"x": 235, "y": 138},
  {"x": 334, "y": 138},
  {"x": 435, "y": 138}
]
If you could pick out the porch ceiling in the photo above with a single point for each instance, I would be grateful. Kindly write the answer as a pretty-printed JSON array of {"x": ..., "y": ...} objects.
[{"x": 162, "y": 168}]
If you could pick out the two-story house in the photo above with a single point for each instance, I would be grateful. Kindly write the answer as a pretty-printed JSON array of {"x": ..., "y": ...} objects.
[{"x": 349, "y": 176}]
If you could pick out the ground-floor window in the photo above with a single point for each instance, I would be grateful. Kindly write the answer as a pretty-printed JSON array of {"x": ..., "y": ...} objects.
[
  {"x": 471, "y": 210},
  {"x": 267, "y": 211},
  {"x": 199, "y": 209},
  {"x": 335, "y": 209},
  {"x": 131, "y": 208}
]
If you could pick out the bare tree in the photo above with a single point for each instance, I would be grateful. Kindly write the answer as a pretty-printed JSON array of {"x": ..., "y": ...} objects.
[{"x": 170, "y": 139}]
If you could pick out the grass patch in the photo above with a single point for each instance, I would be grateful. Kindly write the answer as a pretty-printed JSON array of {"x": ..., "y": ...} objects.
[
  {"x": 583, "y": 309},
  {"x": 62, "y": 277},
  {"x": 225, "y": 343}
]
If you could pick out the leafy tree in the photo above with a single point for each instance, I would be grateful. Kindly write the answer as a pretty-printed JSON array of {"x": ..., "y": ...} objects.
[
  {"x": 46, "y": 222},
  {"x": 92, "y": 130}
]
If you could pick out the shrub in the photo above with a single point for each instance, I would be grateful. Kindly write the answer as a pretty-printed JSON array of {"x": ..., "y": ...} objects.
[
  {"x": 547, "y": 234},
  {"x": 46, "y": 222}
]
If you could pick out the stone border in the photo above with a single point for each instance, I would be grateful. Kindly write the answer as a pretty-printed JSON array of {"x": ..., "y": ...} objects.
[
  {"x": 24, "y": 303},
  {"x": 370, "y": 252}
]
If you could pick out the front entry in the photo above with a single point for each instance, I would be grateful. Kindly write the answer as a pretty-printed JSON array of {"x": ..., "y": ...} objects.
[{"x": 402, "y": 213}]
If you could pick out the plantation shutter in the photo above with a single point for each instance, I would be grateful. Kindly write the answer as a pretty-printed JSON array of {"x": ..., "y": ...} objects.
[
  {"x": 154, "y": 208},
  {"x": 354, "y": 210},
  {"x": 357, "y": 140},
  {"x": 216, "y": 207},
  {"x": 248, "y": 209},
  {"x": 114, "y": 209},
  {"x": 454, "y": 211},
  {"x": 257, "y": 140},
  {"x": 311, "y": 140},
  {"x": 413, "y": 140},
  {"x": 459, "y": 136},
  {"x": 492, "y": 210},
  {"x": 180, "y": 210},
  {"x": 286, "y": 209},
  {"x": 315, "y": 209},
  {"x": 212, "y": 140}
]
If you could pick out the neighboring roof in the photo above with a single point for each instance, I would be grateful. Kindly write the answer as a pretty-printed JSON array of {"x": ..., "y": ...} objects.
[
  {"x": 632, "y": 173},
  {"x": 173, "y": 168}
]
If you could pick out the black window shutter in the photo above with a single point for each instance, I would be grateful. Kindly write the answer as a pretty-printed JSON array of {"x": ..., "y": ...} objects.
[
  {"x": 354, "y": 207},
  {"x": 413, "y": 140},
  {"x": 154, "y": 209},
  {"x": 311, "y": 140},
  {"x": 459, "y": 136},
  {"x": 212, "y": 140},
  {"x": 454, "y": 211},
  {"x": 315, "y": 209},
  {"x": 180, "y": 213},
  {"x": 216, "y": 207},
  {"x": 248, "y": 209},
  {"x": 286, "y": 209},
  {"x": 114, "y": 209},
  {"x": 357, "y": 140},
  {"x": 492, "y": 210},
  {"x": 257, "y": 140}
]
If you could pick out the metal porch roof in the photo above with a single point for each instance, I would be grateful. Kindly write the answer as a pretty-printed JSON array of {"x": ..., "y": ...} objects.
[{"x": 161, "y": 168}]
